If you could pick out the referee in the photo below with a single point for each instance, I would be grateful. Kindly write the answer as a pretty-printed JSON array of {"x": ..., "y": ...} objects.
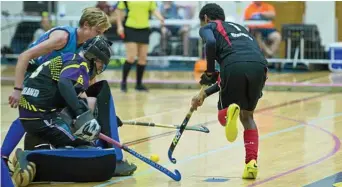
[{"x": 135, "y": 30}]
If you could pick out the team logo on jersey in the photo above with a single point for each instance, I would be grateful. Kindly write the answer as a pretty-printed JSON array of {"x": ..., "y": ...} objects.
[
  {"x": 237, "y": 35},
  {"x": 80, "y": 80},
  {"x": 30, "y": 92}
]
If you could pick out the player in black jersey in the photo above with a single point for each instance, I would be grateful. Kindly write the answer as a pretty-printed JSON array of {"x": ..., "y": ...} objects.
[
  {"x": 59, "y": 107},
  {"x": 56, "y": 84},
  {"x": 243, "y": 72}
]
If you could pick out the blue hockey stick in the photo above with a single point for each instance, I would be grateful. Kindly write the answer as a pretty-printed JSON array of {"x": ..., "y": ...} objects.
[{"x": 175, "y": 176}]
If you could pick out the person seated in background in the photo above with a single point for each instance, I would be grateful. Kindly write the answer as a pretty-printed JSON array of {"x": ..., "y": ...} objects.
[
  {"x": 170, "y": 11},
  {"x": 45, "y": 25},
  {"x": 264, "y": 33}
]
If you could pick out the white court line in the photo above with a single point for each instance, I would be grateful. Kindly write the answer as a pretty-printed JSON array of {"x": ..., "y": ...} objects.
[
  {"x": 220, "y": 149},
  {"x": 141, "y": 117}
]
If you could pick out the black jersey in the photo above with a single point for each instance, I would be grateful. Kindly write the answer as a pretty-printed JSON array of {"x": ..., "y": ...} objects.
[
  {"x": 230, "y": 43},
  {"x": 40, "y": 92}
]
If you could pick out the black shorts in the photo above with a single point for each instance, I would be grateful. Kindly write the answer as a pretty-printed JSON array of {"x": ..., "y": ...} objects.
[
  {"x": 141, "y": 36},
  {"x": 242, "y": 83},
  {"x": 52, "y": 130}
]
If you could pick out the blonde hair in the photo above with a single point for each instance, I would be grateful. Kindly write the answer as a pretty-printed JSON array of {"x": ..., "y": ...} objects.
[{"x": 95, "y": 17}]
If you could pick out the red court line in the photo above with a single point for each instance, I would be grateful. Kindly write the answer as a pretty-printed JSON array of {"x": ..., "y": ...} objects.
[
  {"x": 331, "y": 153},
  {"x": 134, "y": 142}
]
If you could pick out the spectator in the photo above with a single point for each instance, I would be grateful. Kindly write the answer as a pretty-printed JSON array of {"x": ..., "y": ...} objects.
[
  {"x": 265, "y": 33},
  {"x": 45, "y": 25},
  {"x": 136, "y": 32},
  {"x": 170, "y": 11},
  {"x": 110, "y": 34},
  {"x": 105, "y": 7}
]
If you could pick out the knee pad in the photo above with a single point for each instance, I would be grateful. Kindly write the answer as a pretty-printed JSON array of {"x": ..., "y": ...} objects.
[
  {"x": 73, "y": 165},
  {"x": 222, "y": 116}
]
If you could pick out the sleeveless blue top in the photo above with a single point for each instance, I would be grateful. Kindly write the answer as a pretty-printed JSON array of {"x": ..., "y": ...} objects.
[{"x": 70, "y": 46}]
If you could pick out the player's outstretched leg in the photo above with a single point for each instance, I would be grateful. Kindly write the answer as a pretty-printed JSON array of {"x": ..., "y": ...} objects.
[{"x": 106, "y": 116}]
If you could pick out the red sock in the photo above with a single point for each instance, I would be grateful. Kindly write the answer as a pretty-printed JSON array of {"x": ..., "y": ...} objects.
[
  {"x": 251, "y": 139},
  {"x": 222, "y": 116}
]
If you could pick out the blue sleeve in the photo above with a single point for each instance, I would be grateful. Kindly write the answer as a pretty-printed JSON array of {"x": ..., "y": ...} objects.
[{"x": 208, "y": 37}]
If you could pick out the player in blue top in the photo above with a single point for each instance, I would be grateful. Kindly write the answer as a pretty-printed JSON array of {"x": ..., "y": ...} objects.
[{"x": 57, "y": 41}]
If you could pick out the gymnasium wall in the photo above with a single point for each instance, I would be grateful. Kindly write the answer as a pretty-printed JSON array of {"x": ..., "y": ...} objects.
[
  {"x": 314, "y": 10},
  {"x": 322, "y": 13}
]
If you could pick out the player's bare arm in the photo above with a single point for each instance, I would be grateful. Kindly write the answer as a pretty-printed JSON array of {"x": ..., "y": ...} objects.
[
  {"x": 120, "y": 29},
  {"x": 158, "y": 16},
  {"x": 57, "y": 40}
]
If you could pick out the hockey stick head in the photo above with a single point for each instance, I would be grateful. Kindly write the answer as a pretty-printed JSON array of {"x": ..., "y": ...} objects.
[{"x": 204, "y": 129}]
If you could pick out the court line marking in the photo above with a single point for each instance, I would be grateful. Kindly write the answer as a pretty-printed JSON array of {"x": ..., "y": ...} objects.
[
  {"x": 187, "y": 159},
  {"x": 191, "y": 158},
  {"x": 267, "y": 108},
  {"x": 134, "y": 119},
  {"x": 178, "y": 109},
  {"x": 141, "y": 140},
  {"x": 331, "y": 153}
]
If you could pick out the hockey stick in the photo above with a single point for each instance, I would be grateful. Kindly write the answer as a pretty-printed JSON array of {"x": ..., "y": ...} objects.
[
  {"x": 181, "y": 130},
  {"x": 150, "y": 124},
  {"x": 175, "y": 176}
]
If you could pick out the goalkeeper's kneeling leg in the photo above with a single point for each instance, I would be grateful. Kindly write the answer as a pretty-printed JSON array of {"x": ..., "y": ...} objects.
[{"x": 70, "y": 165}]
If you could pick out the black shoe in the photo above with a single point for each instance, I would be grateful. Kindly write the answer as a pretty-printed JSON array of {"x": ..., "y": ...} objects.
[
  {"x": 123, "y": 87},
  {"x": 124, "y": 168},
  {"x": 141, "y": 88}
]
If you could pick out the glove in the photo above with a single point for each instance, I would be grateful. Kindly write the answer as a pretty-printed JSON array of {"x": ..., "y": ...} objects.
[
  {"x": 89, "y": 131},
  {"x": 86, "y": 127},
  {"x": 209, "y": 79}
]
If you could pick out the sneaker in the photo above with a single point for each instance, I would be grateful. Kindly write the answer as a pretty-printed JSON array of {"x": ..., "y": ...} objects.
[
  {"x": 123, "y": 87},
  {"x": 233, "y": 113},
  {"x": 141, "y": 88},
  {"x": 124, "y": 168},
  {"x": 251, "y": 170}
]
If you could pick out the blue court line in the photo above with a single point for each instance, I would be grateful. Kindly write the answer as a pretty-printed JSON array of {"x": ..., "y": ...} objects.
[{"x": 185, "y": 160}]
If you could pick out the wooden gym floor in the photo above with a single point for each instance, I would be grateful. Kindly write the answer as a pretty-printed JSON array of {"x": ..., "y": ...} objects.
[
  {"x": 300, "y": 135},
  {"x": 322, "y": 77}
]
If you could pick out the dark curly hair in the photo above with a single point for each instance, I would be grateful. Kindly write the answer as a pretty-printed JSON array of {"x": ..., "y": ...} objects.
[{"x": 213, "y": 11}]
